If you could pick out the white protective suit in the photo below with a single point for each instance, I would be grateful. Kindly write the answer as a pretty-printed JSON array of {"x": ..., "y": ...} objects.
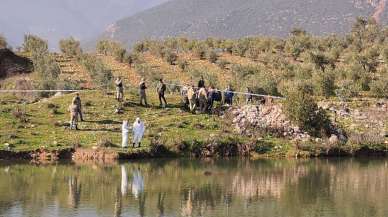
[
  {"x": 124, "y": 181},
  {"x": 125, "y": 132},
  {"x": 137, "y": 183},
  {"x": 138, "y": 131}
]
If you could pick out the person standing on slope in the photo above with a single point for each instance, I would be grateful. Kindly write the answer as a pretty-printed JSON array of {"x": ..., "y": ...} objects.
[
  {"x": 203, "y": 98},
  {"x": 161, "y": 89},
  {"x": 119, "y": 89},
  {"x": 201, "y": 82},
  {"x": 78, "y": 103},
  {"x": 73, "y": 109},
  {"x": 138, "y": 132},
  {"x": 142, "y": 92}
]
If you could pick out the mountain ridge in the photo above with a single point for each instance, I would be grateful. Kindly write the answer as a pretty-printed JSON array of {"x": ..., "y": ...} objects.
[{"x": 234, "y": 19}]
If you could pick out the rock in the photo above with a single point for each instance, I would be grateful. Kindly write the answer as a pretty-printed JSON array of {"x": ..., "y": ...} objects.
[
  {"x": 333, "y": 140},
  {"x": 58, "y": 94}
]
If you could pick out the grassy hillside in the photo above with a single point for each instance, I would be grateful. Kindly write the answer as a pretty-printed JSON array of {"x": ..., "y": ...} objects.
[
  {"x": 201, "y": 19},
  {"x": 346, "y": 76}
]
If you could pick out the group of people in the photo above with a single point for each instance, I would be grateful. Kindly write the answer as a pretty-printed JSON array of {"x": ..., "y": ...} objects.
[
  {"x": 203, "y": 97},
  {"x": 138, "y": 127},
  {"x": 200, "y": 97},
  {"x": 160, "y": 89}
]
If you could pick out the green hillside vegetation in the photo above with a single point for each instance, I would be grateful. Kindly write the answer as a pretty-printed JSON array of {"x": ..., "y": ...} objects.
[
  {"x": 347, "y": 73},
  {"x": 201, "y": 19}
]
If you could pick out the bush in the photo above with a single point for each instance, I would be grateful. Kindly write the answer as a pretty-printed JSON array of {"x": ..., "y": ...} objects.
[
  {"x": 112, "y": 48},
  {"x": 212, "y": 56},
  {"x": 379, "y": 88},
  {"x": 347, "y": 90},
  {"x": 171, "y": 57},
  {"x": 46, "y": 66},
  {"x": 33, "y": 44},
  {"x": 241, "y": 47},
  {"x": 303, "y": 111},
  {"x": 324, "y": 84},
  {"x": 70, "y": 47},
  {"x": 200, "y": 51},
  {"x": 139, "y": 47},
  {"x": 222, "y": 64},
  {"x": 3, "y": 42},
  {"x": 99, "y": 73},
  {"x": 183, "y": 64},
  {"x": 298, "y": 43}
]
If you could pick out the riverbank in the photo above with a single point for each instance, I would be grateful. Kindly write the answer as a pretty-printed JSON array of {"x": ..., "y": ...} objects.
[
  {"x": 213, "y": 150},
  {"x": 40, "y": 130}
]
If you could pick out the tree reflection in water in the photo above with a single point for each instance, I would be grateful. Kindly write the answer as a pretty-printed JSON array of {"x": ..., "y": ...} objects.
[{"x": 348, "y": 188}]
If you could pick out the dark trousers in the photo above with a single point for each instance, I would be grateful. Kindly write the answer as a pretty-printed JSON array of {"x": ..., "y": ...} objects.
[{"x": 161, "y": 97}]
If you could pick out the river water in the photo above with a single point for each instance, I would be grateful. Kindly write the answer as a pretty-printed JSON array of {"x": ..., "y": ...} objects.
[{"x": 213, "y": 188}]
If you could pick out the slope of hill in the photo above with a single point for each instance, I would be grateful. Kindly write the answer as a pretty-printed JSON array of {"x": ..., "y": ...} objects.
[
  {"x": 11, "y": 64},
  {"x": 57, "y": 19},
  {"x": 234, "y": 19}
]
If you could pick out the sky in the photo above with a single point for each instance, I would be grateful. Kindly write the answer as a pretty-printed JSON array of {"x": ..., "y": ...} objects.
[{"x": 57, "y": 19}]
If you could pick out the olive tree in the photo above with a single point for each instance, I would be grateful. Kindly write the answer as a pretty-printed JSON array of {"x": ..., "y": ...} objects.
[{"x": 70, "y": 47}]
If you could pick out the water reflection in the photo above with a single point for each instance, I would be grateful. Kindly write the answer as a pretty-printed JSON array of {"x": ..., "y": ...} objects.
[{"x": 196, "y": 188}]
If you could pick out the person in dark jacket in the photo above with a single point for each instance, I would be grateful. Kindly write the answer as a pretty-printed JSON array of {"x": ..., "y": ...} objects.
[
  {"x": 161, "y": 89},
  {"x": 211, "y": 95},
  {"x": 78, "y": 103},
  {"x": 201, "y": 83},
  {"x": 228, "y": 95},
  {"x": 249, "y": 97}
]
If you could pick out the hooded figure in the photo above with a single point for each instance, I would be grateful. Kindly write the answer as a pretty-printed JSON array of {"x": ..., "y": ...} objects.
[
  {"x": 125, "y": 132},
  {"x": 138, "y": 132}
]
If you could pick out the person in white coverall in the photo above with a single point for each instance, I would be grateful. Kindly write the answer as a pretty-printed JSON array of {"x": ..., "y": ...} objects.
[
  {"x": 138, "y": 132},
  {"x": 125, "y": 132}
]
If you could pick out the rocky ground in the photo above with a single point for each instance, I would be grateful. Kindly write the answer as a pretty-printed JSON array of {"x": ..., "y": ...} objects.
[{"x": 347, "y": 120}]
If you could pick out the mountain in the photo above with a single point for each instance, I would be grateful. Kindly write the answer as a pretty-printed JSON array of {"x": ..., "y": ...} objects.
[
  {"x": 57, "y": 19},
  {"x": 233, "y": 19}
]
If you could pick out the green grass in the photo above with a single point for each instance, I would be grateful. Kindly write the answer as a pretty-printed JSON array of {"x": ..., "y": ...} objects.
[{"x": 44, "y": 127}]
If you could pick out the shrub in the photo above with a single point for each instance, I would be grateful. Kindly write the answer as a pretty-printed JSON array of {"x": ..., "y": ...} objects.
[
  {"x": 212, "y": 56},
  {"x": 33, "y": 44},
  {"x": 70, "y": 47},
  {"x": 324, "y": 84},
  {"x": 347, "y": 89},
  {"x": 200, "y": 51},
  {"x": 222, "y": 64},
  {"x": 3, "y": 42},
  {"x": 241, "y": 47},
  {"x": 298, "y": 43},
  {"x": 183, "y": 64},
  {"x": 171, "y": 57},
  {"x": 99, "y": 73},
  {"x": 129, "y": 59},
  {"x": 303, "y": 111},
  {"x": 112, "y": 48},
  {"x": 379, "y": 88},
  {"x": 120, "y": 54},
  {"x": 139, "y": 47}
]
